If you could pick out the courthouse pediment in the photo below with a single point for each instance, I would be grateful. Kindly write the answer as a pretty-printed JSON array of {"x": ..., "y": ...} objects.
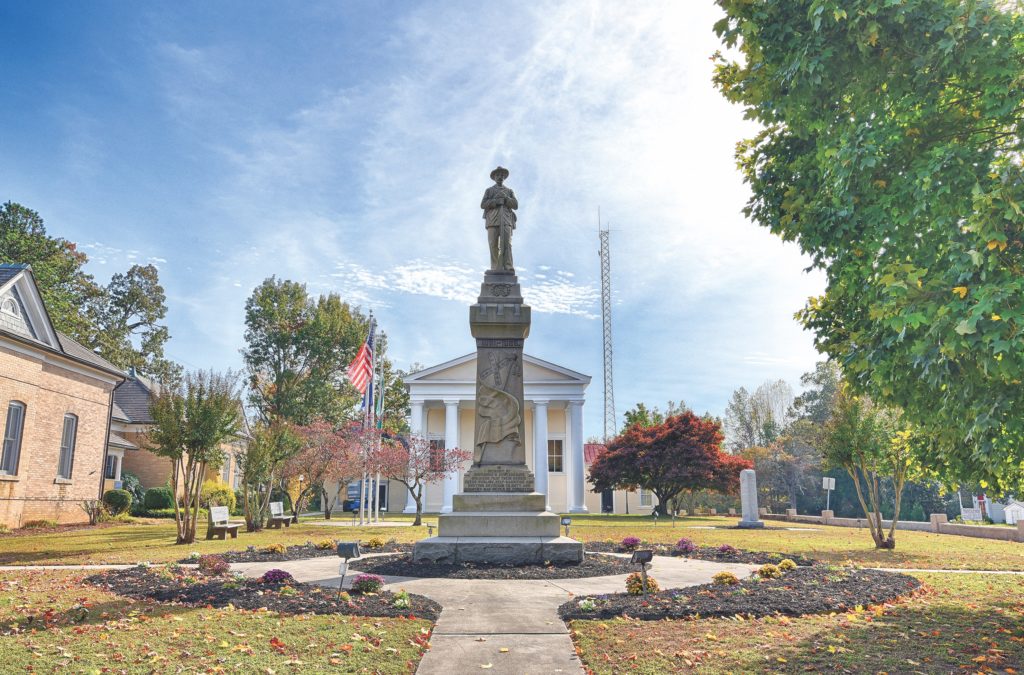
[{"x": 463, "y": 369}]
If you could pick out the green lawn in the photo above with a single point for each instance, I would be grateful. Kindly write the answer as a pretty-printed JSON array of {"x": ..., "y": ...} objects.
[
  {"x": 958, "y": 623},
  {"x": 154, "y": 541},
  {"x": 50, "y": 621}
]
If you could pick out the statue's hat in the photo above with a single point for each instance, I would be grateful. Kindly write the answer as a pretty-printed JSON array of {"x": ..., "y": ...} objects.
[{"x": 500, "y": 171}]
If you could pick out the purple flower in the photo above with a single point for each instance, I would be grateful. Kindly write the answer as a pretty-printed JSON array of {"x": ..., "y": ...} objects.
[
  {"x": 685, "y": 546},
  {"x": 631, "y": 543},
  {"x": 725, "y": 549},
  {"x": 276, "y": 576},
  {"x": 368, "y": 583}
]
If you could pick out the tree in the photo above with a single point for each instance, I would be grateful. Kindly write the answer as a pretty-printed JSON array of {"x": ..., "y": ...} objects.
[
  {"x": 868, "y": 443},
  {"x": 190, "y": 422},
  {"x": 57, "y": 266},
  {"x": 758, "y": 419},
  {"x": 889, "y": 150},
  {"x": 129, "y": 312},
  {"x": 414, "y": 463},
  {"x": 814, "y": 404},
  {"x": 682, "y": 453},
  {"x": 327, "y": 456},
  {"x": 269, "y": 446},
  {"x": 641, "y": 415},
  {"x": 297, "y": 352}
]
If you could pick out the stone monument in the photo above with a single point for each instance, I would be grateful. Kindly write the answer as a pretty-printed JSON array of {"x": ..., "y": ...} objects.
[
  {"x": 748, "y": 500},
  {"x": 498, "y": 517}
]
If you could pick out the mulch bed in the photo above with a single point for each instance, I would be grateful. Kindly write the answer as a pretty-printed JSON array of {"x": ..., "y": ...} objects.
[
  {"x": 403, "y": 566},
  {"x": 711, "y": 553},
  {"x": 256, "y": 554},
  {"x": 181, "y": 587},
  {"x": 805, "y": 590}
]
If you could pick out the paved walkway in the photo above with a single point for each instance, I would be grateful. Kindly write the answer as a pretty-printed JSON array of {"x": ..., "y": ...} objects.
[{"x": 509, "y": 627}]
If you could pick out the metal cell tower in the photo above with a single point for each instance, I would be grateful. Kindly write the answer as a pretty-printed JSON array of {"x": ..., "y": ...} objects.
[{"x": 606, "y": 325}]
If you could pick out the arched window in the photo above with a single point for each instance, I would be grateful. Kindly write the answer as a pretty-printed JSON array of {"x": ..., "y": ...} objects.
[
  {"x": 9, "y": 306},
  {"x": 12, "y": 438},
  {"x": 67, "y": 447}
]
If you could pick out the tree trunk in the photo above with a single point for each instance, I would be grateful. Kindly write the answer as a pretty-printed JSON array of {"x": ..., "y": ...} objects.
[{"x": 325, "y": 502}]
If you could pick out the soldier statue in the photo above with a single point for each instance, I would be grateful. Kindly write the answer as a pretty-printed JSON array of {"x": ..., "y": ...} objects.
[{"x": 499, "y": 204}]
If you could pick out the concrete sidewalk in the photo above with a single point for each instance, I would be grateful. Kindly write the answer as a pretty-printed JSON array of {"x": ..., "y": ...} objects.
[{"x": 509, "y": 627}]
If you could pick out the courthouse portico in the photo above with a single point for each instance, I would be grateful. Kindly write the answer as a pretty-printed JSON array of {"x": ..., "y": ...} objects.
[{"x": 442, "y": 402}]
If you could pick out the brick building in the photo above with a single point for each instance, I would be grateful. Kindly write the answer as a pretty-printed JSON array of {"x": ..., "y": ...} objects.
[{"x": 55, "y": 398}]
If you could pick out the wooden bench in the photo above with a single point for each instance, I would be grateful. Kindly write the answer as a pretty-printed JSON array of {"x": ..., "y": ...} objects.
[
  {"x": 277, "y": 516},
  {"x": 219, "y": 524}
]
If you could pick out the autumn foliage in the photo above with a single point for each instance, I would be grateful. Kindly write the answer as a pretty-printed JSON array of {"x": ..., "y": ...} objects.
[{"x": 684, "y": 452}]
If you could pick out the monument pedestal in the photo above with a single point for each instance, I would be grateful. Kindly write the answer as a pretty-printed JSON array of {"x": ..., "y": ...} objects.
[{"x": 499, "y": 528}]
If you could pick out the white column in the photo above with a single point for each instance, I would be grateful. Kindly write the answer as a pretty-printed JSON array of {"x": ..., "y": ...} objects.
[
  {"x": 416, "y": 427},
  {"x": 577, "y": 469},
  {"x": 540, "y": 450},
  {"x": 451, "y": 440}
]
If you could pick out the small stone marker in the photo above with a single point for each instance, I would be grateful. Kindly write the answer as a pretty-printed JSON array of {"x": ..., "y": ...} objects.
[{"x": 748, "y": 500}]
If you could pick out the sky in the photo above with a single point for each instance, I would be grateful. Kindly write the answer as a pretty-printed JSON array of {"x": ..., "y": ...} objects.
[{"x": 347, "y": 145}]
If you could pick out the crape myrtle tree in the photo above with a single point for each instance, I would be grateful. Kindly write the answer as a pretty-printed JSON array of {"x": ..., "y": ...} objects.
[
  {"x": 190, "y": 422},
  {"x": 684, "y": 452},
  {"x": 269, "y": 446},
  {"x": 326, "y": 457},
  {"x": 413, "y": 463},
  {"x": 890, "y": 150},
  {"x": 873, "y": 446}
]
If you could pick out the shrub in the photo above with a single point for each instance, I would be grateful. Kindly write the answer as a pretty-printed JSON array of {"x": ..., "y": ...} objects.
[
  {"x": 725, "y": 549},
  {"x": 36, "y": 524},
  {"x": 769, "y": 571},
  {"x": 326, "y": 544},
  {"x": 367, "y": 583},
  {"x": 239, "y": 504},
  {"x": 631, "y": 543},
  {"x": 94, "y": 509},
  {"x": 635, "y": 584},
  {"x": 685, "y": 546},
  {"x": 401, "y": 600},
  {"x": 725, "y": 579},
  {"x": 217, "y": 493},
  {"x": 213, "y": 565},
  {"x": 787, "y": 565},
  {"x": 276, "y": 576},
  {"x": 375, "y": 542},
  {"x": 273, "y": 548},
  {"x": 344, "y": 596},
  {"x": 158, "y": 498},
  {"x": 131, "y": 483},
  {"x": 106, "y": 517},
  {"x": 117, "y": 501},
  {"x": 4, "y": 529},
  {"x": 587, "y": 605}
]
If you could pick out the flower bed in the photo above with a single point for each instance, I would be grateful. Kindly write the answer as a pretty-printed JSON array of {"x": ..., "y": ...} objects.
[
  {"x": 714, "y": 553},
  {"x": 402, "y": 566},
  {"x": 300, "y": 552},
  {"x": 805, "y": 590},
  {"x": 176, "y": 585}
]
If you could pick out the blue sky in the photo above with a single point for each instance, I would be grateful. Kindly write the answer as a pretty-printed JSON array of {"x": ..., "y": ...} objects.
[{"x": 347, "y": 145}]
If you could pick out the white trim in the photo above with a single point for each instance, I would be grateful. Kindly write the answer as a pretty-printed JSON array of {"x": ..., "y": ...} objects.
[
  {"x": 57, "y": 360},
  {"x": 571, "y": 375},
  {"x": 37, "y": 318}
]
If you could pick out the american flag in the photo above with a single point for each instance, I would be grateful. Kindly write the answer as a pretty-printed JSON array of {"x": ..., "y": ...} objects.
[{"x": 361, "y": 368}]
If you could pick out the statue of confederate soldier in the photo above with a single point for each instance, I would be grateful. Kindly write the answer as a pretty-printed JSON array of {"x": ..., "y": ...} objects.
[{"x": 499, "y": 204}]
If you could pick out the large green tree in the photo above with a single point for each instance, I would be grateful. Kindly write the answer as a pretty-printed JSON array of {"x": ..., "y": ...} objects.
[
  {"x": 58, "y": 267},
  {"x": 890, "y": 151}
]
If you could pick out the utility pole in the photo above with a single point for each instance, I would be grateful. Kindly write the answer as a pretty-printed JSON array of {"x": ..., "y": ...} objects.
[{"x": 610, "y": 429}]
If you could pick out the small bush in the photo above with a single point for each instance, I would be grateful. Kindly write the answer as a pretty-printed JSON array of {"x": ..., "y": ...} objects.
[
  {"x": 106, "y": 517},
  {"x": 367, "y": 583},
  {"x": 117, "y": 501},
  {"x": 587, "y": 605},
  {"x": 725, "y": 579},
  {"x": 218, "y": 494},
  {"x": 787, "y": 565},
  {"x": 4, "y": 529},
  {"x": 131, "y": 483},
  {"x": 159, "y": 498},
  {"x": 725, "y": 549},
  {"x": 769, "y": 571},
  {"x": 213, "y": 565},
  {"x": 344, "y": 596},
  {"x": 635, "y": 584},
  {"x": 276, "y": 576},
  {"x": 401, "y": 600},
  {"x": 273, "y": 548},
  {"x": 38, "y": 524},
  {"x": 375, "y": 542},
  {"x": 685, "y": 546},
  {"x": 631, "y": 543},
  {"x": 326, "y": 544}
]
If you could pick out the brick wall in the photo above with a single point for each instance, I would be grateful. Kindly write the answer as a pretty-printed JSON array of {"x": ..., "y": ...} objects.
[{"x": 49, "y": 392}]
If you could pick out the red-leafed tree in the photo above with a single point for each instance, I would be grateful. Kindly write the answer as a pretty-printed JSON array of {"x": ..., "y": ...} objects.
[
  {"x": 328, "y": 455},
  {"x": 414, "y": 463},
  {"x": 684, "y": 452}
]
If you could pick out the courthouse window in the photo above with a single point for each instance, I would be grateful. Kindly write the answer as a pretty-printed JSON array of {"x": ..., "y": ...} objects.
[
  {"x": 12, "y": 438},
  {"x": 436, "y": 454},
  {"x": 67, "y": 446},
  {"x": 555, "y": 455},
  {"x": 646, "y": 498}
]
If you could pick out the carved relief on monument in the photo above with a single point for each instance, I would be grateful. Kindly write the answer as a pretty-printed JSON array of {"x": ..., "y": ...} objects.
[{"x": 499, "y": 413}]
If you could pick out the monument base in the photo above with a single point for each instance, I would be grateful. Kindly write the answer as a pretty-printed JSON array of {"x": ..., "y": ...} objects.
[
  {"x": 499, "y": 528},
  {"x": 750, "y": 524},
  {"x": 496, "y": 478}
]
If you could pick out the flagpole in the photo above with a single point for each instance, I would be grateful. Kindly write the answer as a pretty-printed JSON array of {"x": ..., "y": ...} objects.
[
  {"x": 380, "y": 426},
  {"x": 364, "y": 511}
]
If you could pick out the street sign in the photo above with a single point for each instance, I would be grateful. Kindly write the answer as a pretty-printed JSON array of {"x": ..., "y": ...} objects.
[{"x": 828, "y": 483}]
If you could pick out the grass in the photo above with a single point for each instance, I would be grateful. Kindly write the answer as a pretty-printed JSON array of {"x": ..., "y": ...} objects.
[
  {"x": 958, "y": 622},
  {"x": 154, "y": 541},
  {"x": 49, "y": 620}
]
